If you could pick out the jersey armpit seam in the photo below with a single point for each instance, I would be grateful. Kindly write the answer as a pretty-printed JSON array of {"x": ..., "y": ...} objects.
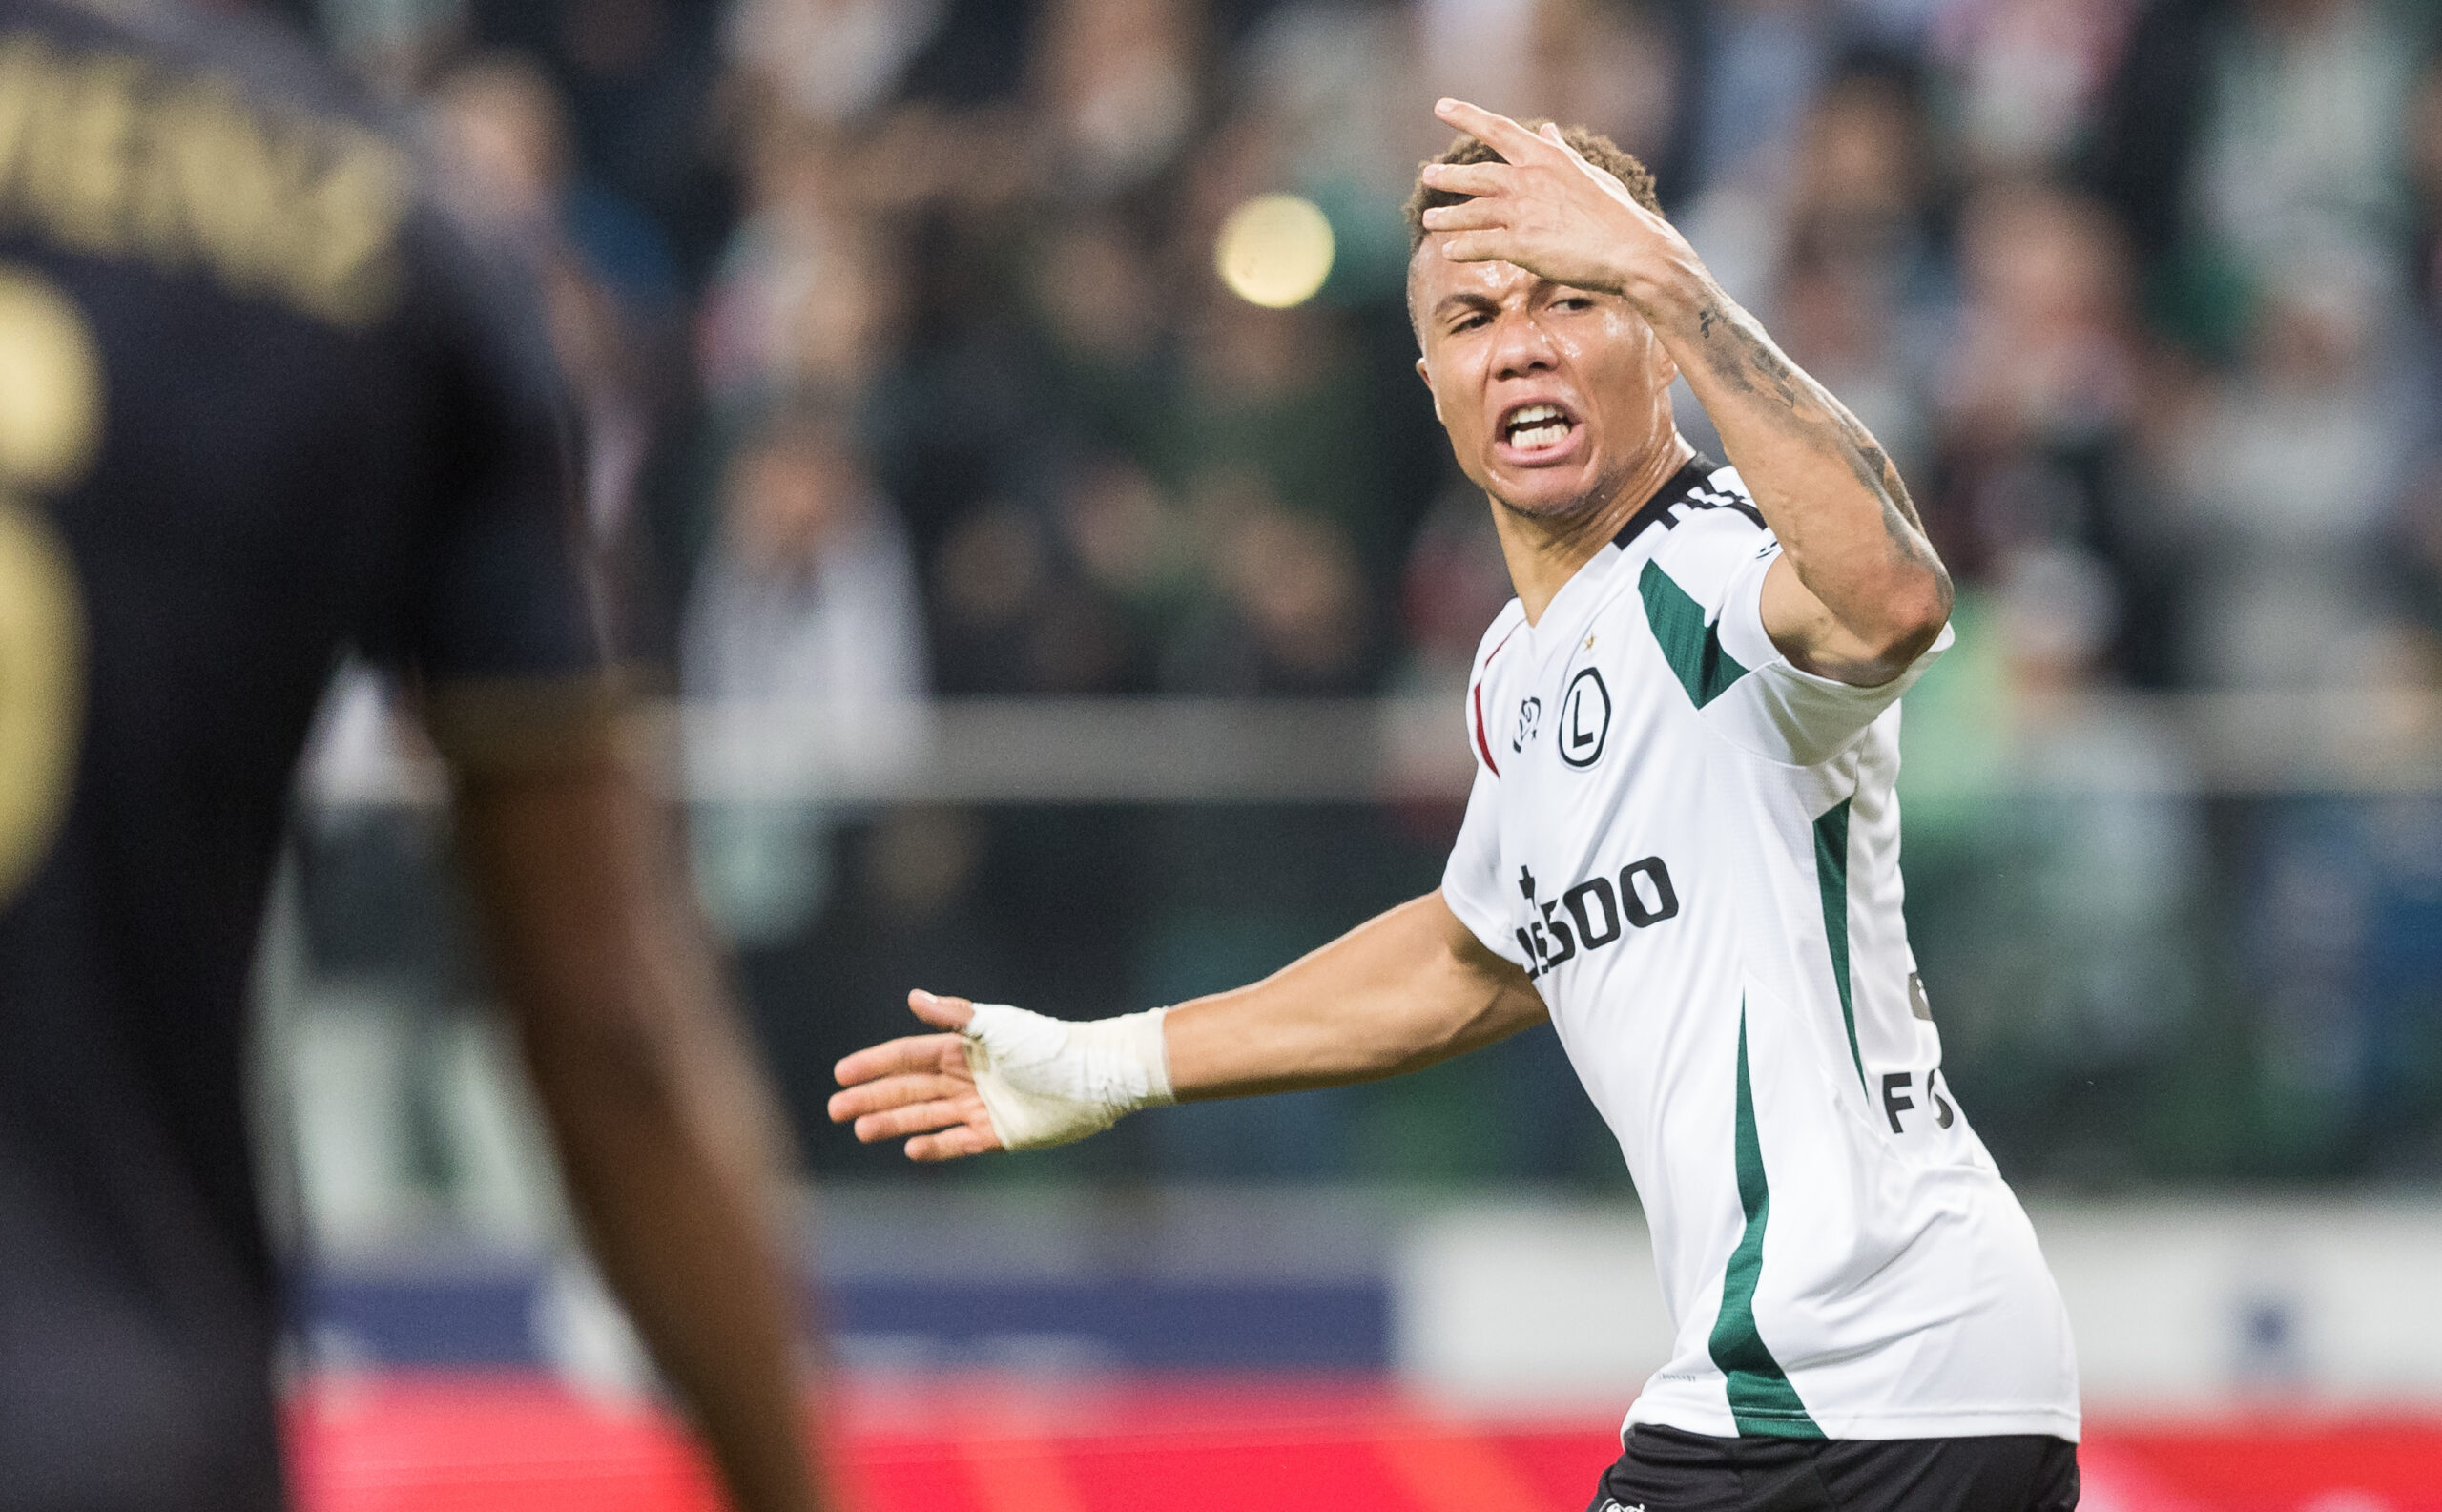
[{"x": 1766, "y": 757}]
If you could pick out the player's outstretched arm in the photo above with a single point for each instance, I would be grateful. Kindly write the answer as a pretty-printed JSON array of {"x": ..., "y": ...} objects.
[
  {"x": 1858, "y": 593},
  {"x": 668, "y": 1137},
  {"x": 1398, "y": 993}
]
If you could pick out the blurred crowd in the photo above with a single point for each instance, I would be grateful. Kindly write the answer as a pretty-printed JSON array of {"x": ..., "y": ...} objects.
[
  {"x": 906, "y": 369},
  {"x": 897, "y": 332}
]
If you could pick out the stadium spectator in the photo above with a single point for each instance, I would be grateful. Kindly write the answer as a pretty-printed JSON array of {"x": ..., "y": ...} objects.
[
  {"x": 802, "y": 294},
  {"x": 1100, "y": 328},
  {"x": 1290, "y": 615},
  {"x": 2284, "y": 492},
  {"x": 804, "y": 618},
  {"x": 2239, "y": 140},
  {"x": 1136, "y": 549},
  {"x": 1858, "y": 286},
  {"x": 2030, "y": 77},
  {"x": 1118, "y": 86},
  {"x": 500, "y": 139},
  {"x": 1607, "y": 65},
  {"x": 831, "y": 61},
  {"x": 809, "y": 593},
  {"x": 2041, "y": 388}
]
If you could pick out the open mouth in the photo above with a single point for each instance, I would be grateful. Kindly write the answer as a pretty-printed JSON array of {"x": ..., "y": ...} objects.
[{"x": 1536, "y": 426}]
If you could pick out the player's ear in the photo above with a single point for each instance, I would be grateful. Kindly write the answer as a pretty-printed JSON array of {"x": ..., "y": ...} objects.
[{"x": 1426, "y": 374}]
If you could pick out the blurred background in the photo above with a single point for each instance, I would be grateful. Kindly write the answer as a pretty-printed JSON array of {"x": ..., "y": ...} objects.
[{"x": 1067, "y": 595}]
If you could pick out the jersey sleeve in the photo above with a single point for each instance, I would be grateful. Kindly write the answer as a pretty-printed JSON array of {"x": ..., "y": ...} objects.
[
  {"x": 506, "y": 631},
  {"x": 1470, "y": 881},
  {"x": 1779, "y": 709},
  {"x": 1703, "y": 597}
]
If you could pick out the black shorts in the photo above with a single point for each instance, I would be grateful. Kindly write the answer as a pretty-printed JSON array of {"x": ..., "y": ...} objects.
[{"x": 1665, "y": 1470}]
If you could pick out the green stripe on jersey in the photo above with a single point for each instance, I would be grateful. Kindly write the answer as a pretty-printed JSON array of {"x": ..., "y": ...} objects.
[
  {"x": 1761, "y": 1399},
  {"x": 1831, "y": 876},
  {"x": 1691, "y": 647}
]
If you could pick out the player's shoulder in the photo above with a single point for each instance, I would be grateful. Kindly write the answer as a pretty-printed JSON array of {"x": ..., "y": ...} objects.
[
  {"x": 1702, "y": 500},
  {"x": 1721, "y": 487},
  {"x": 1701, "y": 528}
]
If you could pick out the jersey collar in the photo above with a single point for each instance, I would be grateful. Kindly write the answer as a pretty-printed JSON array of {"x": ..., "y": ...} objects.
[
  {"x": 1690, "y": 480},
  {"x": 1691, "y": 477}
]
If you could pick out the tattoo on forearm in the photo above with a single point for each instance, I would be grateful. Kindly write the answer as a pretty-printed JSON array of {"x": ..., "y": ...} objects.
[{"x": 1752, "y": 364}]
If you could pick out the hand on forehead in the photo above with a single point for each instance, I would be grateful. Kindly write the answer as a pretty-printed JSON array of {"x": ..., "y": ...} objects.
[{"x": 1539, "y": 204}]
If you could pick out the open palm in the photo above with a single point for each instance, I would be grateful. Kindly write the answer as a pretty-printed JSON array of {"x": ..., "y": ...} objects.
[{"x": 920, "y": 1087}]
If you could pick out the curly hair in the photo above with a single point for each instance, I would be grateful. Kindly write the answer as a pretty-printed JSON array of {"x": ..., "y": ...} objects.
[{"x": 1592, "y": 146}]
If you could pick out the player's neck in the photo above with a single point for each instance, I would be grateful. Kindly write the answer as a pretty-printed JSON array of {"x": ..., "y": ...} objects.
[{"x": 1544, "y": 553}]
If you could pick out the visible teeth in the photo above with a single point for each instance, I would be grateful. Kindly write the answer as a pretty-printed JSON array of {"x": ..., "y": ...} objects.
[{"x": 1538, "y": 425}]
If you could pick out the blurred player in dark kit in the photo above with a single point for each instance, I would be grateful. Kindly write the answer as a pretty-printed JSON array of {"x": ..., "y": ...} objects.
[{"x": 256, "y": 405}]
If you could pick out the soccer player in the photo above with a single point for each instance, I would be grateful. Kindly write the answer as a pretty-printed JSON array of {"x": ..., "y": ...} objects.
[
  {"x": 1681, "y": 847},
  {"x": 258, "y": 404}
]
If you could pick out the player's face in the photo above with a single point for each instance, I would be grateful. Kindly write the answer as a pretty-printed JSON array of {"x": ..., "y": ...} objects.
[{"x": 1552, "y": 396}]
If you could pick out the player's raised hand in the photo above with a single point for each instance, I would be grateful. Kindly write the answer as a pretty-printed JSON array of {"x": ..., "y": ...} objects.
[
  {"x": 1005, "y": 1079},
  {"x": 920, "y": 1087},
  {"x": 1547, "y": 209}
]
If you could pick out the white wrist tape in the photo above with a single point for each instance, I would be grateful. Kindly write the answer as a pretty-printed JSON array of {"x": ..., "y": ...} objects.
[{"x": 1048, "y": 1081}]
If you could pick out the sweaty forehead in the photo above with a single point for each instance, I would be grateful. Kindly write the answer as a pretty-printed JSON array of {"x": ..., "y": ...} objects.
[{"x": 1433, "y": 278}]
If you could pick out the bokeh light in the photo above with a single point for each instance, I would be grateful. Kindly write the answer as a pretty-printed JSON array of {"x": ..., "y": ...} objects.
[{"x": 1274, "y": 250}]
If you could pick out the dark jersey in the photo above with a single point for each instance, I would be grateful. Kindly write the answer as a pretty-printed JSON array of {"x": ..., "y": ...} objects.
[{"x": 258, "y": 406}]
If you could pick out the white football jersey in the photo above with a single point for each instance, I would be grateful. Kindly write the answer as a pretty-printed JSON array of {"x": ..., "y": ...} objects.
[{"x": 1693, "y": 848}]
